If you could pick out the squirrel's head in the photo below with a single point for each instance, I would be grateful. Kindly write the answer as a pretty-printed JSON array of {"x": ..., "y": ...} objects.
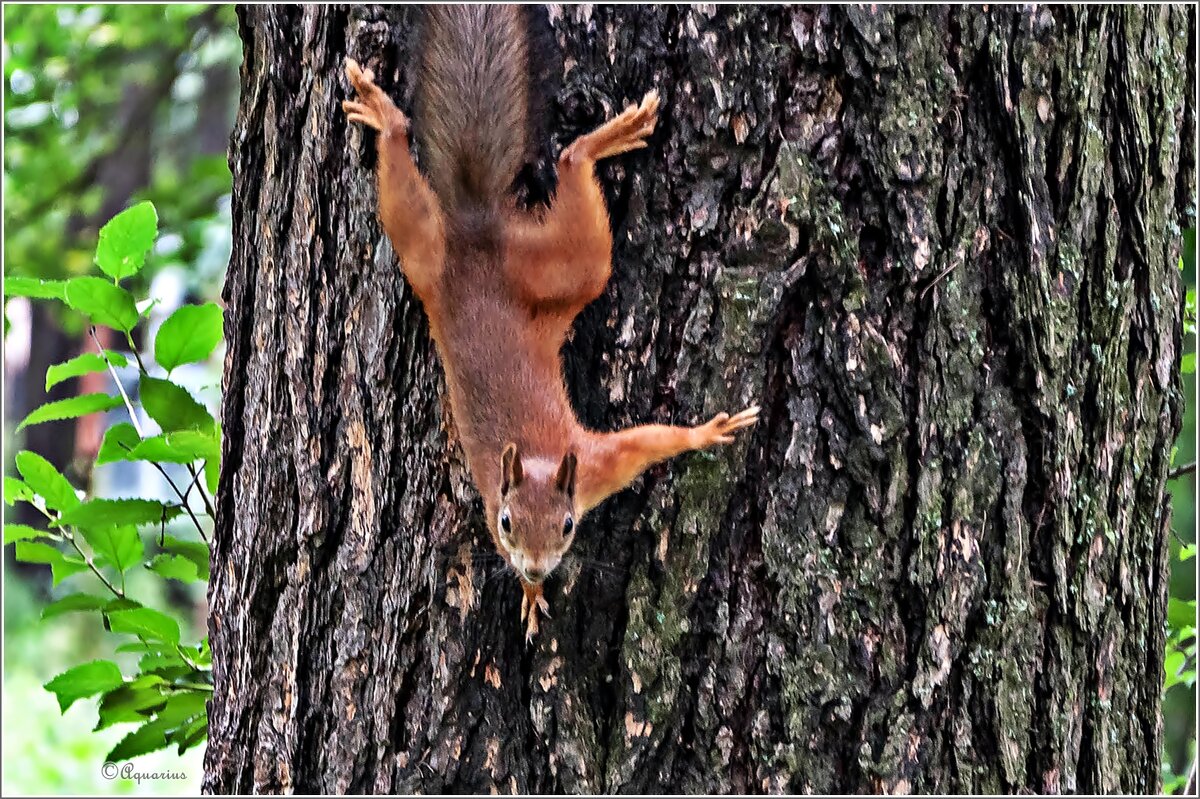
[{"x": 536, "y": 519}]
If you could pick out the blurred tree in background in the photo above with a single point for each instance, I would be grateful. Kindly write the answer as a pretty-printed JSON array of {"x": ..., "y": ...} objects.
[{"x": 103, "y": 106}]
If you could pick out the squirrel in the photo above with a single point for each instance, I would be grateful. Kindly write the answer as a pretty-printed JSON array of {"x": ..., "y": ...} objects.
[{"x": 501, "y": 285}]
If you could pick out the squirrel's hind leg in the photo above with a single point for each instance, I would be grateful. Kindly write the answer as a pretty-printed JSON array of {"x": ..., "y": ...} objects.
[
  {"x": 624, "y": 132},
  {"x": 565, "y": 258},
  {"x": 408, "y": 208}
]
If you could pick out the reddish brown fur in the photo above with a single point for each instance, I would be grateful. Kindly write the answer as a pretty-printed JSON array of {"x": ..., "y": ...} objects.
[{"x": 502, "y": 287}]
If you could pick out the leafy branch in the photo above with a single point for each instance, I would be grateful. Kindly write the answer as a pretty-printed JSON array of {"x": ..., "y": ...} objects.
[{"x": 168, "y": 692}]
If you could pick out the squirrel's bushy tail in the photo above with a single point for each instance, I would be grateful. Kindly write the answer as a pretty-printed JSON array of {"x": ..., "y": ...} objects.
[{"x": 482, "y": 99}]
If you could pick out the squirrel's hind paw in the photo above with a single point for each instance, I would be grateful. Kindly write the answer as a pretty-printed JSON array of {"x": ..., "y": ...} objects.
[
  {"x": 372, "y": 108},
  {"x": 624, "y": 132},
  {"x": 357, "y": 112}
]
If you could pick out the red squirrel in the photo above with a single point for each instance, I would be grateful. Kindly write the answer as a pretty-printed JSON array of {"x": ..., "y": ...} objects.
[{"x": 502, "y": 285}]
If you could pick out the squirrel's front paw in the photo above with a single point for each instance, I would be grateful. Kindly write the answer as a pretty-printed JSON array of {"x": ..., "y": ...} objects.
[
  {"x": 720, "y": 429},
  {"x": 531, "y": 603},
  {"x": 373, "y": 108}
]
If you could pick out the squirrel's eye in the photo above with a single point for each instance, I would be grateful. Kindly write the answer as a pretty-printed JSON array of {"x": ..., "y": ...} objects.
[
  {"x": 505, "y": 521},
  {"x": 568, "y": 525}
]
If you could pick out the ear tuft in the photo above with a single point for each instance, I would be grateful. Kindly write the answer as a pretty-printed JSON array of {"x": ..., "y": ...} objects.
[
  {"x": 565, "y": 481},
  {"x": 511, "y": 473}
]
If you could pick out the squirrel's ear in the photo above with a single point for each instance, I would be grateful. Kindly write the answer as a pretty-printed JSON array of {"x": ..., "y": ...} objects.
[
  {"x": 565, "y": 481},
  {"x": 511, "y": 473}
]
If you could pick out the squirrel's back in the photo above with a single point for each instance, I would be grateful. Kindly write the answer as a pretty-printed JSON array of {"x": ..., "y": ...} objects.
[{"x": 482, "y": 99}]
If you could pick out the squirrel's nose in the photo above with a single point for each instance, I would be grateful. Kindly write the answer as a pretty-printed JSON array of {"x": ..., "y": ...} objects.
[{"x": 534, "y": 575}]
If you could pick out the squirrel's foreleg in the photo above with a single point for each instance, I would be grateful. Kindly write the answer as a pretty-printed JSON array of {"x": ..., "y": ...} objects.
[
  {"x": 616, "y": 459},
  {"x": 408, "y": 208}
]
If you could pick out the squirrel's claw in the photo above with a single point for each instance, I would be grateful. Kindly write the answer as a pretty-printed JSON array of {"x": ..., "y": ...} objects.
[
  {"x": 720, "y": 429},
  {"x": 359, "y": 77}
]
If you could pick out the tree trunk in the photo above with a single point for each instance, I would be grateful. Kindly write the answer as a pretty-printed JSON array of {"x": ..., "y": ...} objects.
[{"x": 937, "y": 245}]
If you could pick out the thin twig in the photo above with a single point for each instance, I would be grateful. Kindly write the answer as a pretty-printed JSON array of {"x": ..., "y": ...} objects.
[
  {"x": 189, "y": 686},
  {"x": 208, "y": 506},
  {"x": 182, "y": 499},
  {"x": 117, "y": 592},
  {"x": 66, "y": 534},
  {"x": 186, "y": 659},
  {"x": 141, "y": 434},
  {"x": 137, "y": 356},
  {"x": 938, "y": 279},
  {"x": 121, "y": 388},
  {"x": 1180, "y": 471}
]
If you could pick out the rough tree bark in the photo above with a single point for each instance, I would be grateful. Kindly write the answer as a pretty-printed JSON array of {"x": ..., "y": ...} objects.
[{"x": 938, "y": 245}]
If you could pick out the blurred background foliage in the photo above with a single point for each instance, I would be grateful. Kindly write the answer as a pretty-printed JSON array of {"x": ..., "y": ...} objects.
[
  {"x": 104, "y": 106},
  {"x": 1179, "y": 697},
  {"x": 108, "y": 105}
]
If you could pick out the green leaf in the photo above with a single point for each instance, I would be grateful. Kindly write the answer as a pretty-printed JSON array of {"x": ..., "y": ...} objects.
[
  {"x": 1187, "y": 551},
  {"x": 22, "y": 532},
  {"x": 129, "y": 703},
  {"x": 110, "y": 512},
  {"x": 46, "y": 481},
  {"x": 120, "y": 547},
  {"x": 72, "y": 603},
  {"x": 148, "y": 646},
  {"x": 61, "y": 566},
  {"x": 193, "y": 734},
  {"x": 212, "y": 469},
  {"x": 125, "y": 240},
  {"x": 15, "y": 491},
  {"x": 195, "y": 551},
  {"x": 119, "y": 441},
  {"x": 84, "y": 680},
  {"x": 150, "y": 737},
  {"x": 1181, "y": 614},
  {"x": 34, "y": 288},
  {"x": 70, "y": 408},
  {"x": 173, "y": 407},
  {"x": 182, "y": 446},
  {"x": 121, "y": 603},
  {"x": 175, "y": 567},
  {"x": 189, "y": 335},
  {"x": 1188, "y": 364},
  {"x": 156, "y": 661},
  {"x": 1173, "y": 667},
  {"x": 184, "y": 706},
  {"x": 81, "y": 365},
  {"x": 203, "y": 656},
  {"x": 105, "y": 303},
  {"x": 1188, "y": 256},
  {"x": 146, "y": 622}
]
